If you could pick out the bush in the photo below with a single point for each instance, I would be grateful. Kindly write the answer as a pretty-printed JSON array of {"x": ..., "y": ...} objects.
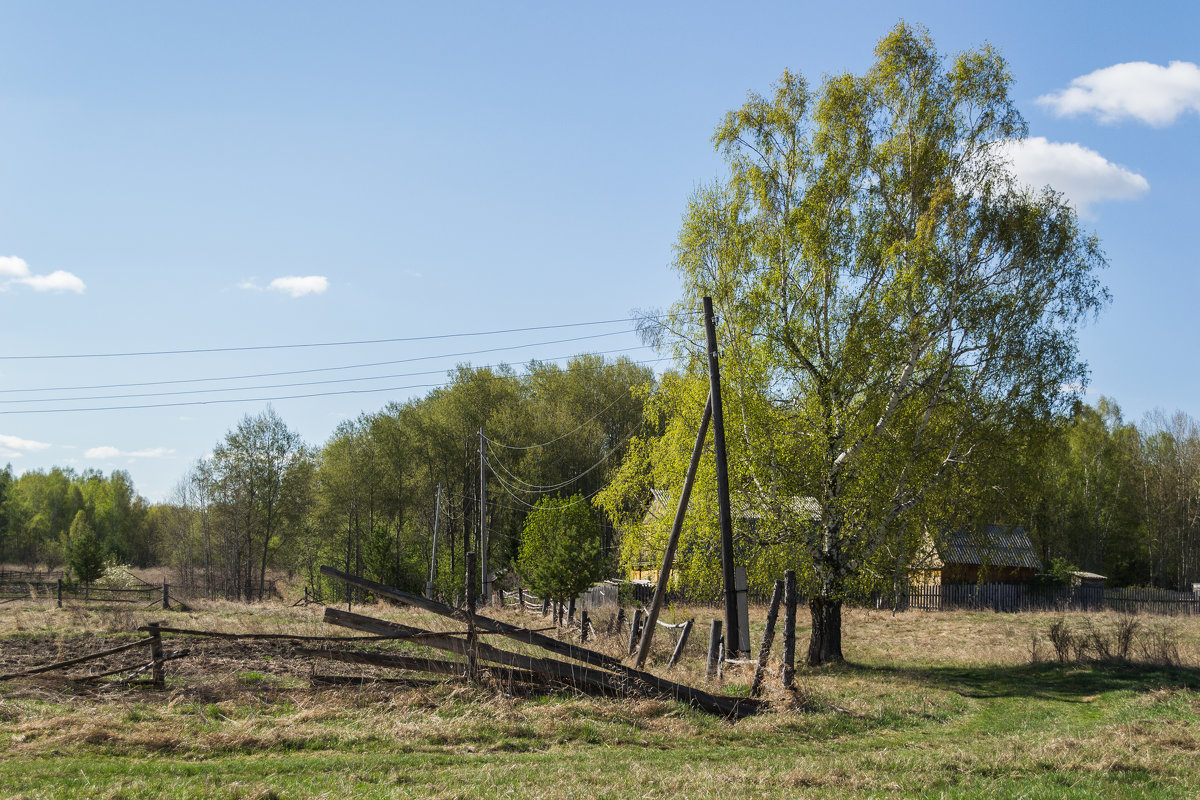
[
  {"x": 561, "y": 548},
  {"x": 1126, "y": 641}
]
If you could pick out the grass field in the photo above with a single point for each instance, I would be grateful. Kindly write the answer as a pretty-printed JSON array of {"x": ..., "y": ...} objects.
[{"x": 931, "y": 705}]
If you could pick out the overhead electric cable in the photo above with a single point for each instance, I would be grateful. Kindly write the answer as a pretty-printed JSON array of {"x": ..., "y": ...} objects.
[
  {"x": 222, "y": 401},
  {"x": 557, "y": 438},
  {"x": 295, "y": 346},
  {"x": 536, "y": 488},
  {"x": 283, "y": 385},
  {"x": 320, "y": 369},
  {"x": 527, "y": 504}
]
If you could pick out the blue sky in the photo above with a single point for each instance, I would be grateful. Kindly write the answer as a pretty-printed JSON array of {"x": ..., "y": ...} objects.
[{"x": 180, "y": 176}]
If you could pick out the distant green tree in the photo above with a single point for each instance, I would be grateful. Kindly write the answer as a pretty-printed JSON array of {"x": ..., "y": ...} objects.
[
  {"x": 85, "y": 550},
  {"x": 561, "y": 554}
]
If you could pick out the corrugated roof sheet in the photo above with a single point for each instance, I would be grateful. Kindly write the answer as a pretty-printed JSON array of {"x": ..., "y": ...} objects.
[{"x": 994, "y": 545}]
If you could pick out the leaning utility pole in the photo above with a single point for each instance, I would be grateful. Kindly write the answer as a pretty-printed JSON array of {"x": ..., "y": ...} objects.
[
  {"x": 483, "y": 537},
  {"x": 732, "y": 631},
  {"x": 437, "y": 514}
]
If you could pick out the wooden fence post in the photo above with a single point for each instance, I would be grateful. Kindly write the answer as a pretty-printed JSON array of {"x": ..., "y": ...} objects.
[
  {"x": 764, "y": 649},
  {"x": 472, "y": 638},
  {"x": 683, "y": 637},
  {"x": 521, "y": 598},
  {"x": 571, "y": 612},
  {"x": 789, "y": 628},
  {"x": 635, "y": 628},
  {"x": 166, "y": 597},
  {"x": 60, "y": 592},
  {"x": 714, "y": 649},
  {"x": 157, "y": 675},
  {"x": 545, "y": 606},
  {"x": 617, "y": 621},
  {"x": 583, "y": 625}
]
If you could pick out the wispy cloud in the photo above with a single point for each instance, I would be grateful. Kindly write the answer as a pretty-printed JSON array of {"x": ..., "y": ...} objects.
[
  {"x": 14, "y": 271},
  {"x": 15, "y": 446},
  {"x": 1149, "y": 93},
  {"x": 297, "y": 286},
  {"x": 107, "y": 453},
  {"x": 293, "y": 285},
  {"x": 1082, "y": 174}
]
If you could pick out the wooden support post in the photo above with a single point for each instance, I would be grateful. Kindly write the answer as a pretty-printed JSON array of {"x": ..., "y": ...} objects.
[
  {"x": 472, "y": 637},
  {"x": 664, "y": 574},
  {"x": 714, "y": 649},
  {"x": 60, "y": 592},
  {"x": 157, "y": 676},
  {"x": 571, "y": 612},
  {"x": 682, "y": 643},
  {"x": 764, "y": 649},
  {"x": 500, "y": 598},
  {"x": 584, "y": 622},
  {"x": 437, "y": 516},
  {"x": 166, "y": 597},
  {"x": 545, "y": 606},
  {"x": 521, "y": 598},
  {"x": 618, "y": 621},
  {"x": 634, "y": 629},
  {"x": 789, "y": 628},
  {"x": 724, "y": 514}
]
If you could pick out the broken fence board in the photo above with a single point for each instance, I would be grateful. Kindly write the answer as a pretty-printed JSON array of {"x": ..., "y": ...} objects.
[{"x": 81, "y": 659}]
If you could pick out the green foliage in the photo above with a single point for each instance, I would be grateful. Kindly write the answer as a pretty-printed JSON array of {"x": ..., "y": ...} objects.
[
  {"x": 560, "y": 548},
  {"x": 86, "y": 553},
  {"x": 891, "y": 301}
]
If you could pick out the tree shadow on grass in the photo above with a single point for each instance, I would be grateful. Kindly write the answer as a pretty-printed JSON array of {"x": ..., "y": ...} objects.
[{"x": 1070, "y": 683}]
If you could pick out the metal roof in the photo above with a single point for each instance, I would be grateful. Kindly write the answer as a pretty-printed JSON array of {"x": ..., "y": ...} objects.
[{"x": 994, "y": 545}]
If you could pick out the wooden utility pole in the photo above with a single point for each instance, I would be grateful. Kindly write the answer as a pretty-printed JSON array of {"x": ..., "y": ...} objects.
[
  {"x": 664, "y": 574},
  {"x": 484, "y": 581},
  {"x": 472, "y": 637},
  {"x": 437, "y": 513},
  {"x": 789, "y": 628},
  {"x": 732, "y": 632}
]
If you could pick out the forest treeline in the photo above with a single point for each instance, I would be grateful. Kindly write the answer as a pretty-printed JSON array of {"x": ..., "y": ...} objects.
[{"x": 1094, "y": 491}]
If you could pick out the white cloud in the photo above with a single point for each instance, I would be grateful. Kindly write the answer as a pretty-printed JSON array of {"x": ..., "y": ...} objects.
[
  {"x": 107, "y": 453},
  {"x": 13, "y": 267},
  {"x": 16, "y": 447},
  {"x": 1083, "y": 175},
  {"x": 1137, "y": 90},
  {"x": 297, "y": 286},
  {"x": 57, "y": 281},
  {"x": 16, "y": 443},
  {"x": 15, "y": 270}
]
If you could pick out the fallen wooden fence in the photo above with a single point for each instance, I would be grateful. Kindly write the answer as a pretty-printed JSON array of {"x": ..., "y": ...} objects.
[
  {"x": 610, "y": 675},
  {"x": 157, "y": 658}
]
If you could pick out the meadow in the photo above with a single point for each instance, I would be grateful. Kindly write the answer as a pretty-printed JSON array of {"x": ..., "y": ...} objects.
[{"x": 953, "y": 704}]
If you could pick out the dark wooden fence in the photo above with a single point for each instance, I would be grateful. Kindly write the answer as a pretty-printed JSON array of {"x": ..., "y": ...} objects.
[
  {"x": 1023, "y": 597},
  {"x": 60, "y": 592},
  {"x": 984, "y": 597}
]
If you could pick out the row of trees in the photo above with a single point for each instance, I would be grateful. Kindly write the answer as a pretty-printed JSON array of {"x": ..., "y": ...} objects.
[
  {"x": 38, "y": 509},
  {"x": 366, "y": 500}
]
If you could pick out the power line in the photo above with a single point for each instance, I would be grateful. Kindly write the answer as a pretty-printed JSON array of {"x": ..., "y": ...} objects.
[
  {"x": 319, "y": 369},
  {"x": 539, "y": 489},
  {"x": 222, "y": 401},
  {"x": 390, "y": 340},
  {"x": 277, "y": 385},
  {"x": 527, "y": 504},
  {"x": 578, "y": 427}
]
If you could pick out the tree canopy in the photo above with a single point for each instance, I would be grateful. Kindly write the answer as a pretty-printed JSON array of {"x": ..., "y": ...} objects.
[{"x": 892, "y": 302}]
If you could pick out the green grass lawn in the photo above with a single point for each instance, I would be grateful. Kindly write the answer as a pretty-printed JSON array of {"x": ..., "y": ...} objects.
[{"x": 972, "y": 718}]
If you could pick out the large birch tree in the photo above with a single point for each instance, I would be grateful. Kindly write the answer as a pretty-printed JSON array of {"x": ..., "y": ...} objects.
[{"x": 891, "y": 300}]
